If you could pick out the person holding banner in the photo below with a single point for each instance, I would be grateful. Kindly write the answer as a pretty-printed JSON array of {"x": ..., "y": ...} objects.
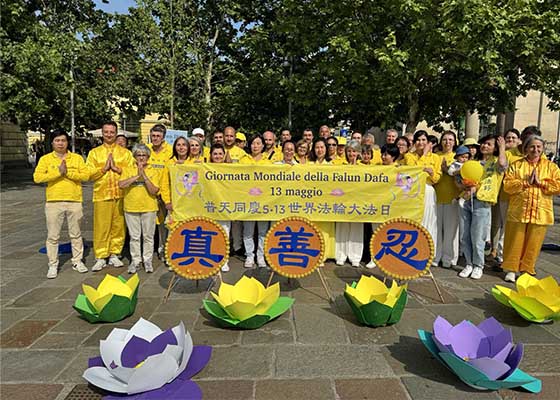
[
  {"x": 302, "y": 151},
  {"x": 531, "y": 183},
  {"x": 404, "y": 146},
  {"x": 257, "y": 157},
  {"x": 233, "y": 153},
  {"x": 447, "y": 249},
  {"x": 180, "y": 151},
  {"x": 431, "y": 162},
  {"x": 349, "y": 236},
  {"x": 196, "y": 155},
  {"x": 475, "y": 213},
  {"x": 288, "y": 152},
  {"x": 320, "y": 155},
  {"x": 332, "y": 145},
  {"x": 218, "y": 155}
]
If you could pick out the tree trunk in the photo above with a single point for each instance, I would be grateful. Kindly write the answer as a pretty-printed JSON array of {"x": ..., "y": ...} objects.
[{"x": 413, "y": 110}]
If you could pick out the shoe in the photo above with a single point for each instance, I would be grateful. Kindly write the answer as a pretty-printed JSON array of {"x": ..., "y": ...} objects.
[
  {"x": 356, "y": 265},
  {"x": 341, "y": 263},
  {"x": 477, "y": 273},
  {"x": 249, "y": 263},
  {"x": 466, "y": 272},
  {"x": 115, "y": 262},
  {"x": 225, "y": 267},
  {"x": 261, "y": 263},
  {"x": 132, "y": 268},
  {"x": 487, "y": 248},
  {"x": 510, "y": 277},
  {"x": 160, "y": 253},
  {"x": 52, "y": 272},
  {"x": 80, "y": 267},
  {"x": 371, "y": 265},
  {"x": 148, "y": 267},
  {"x": 100, "y": 263}
]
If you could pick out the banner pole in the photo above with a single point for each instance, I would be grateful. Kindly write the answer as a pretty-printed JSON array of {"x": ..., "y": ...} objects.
[
  {"x": 323, "y": 281},
  {"x": 169, "y": 288},
  {"x": 437, "y": 287},
  {"x": 270, "y": 279}
]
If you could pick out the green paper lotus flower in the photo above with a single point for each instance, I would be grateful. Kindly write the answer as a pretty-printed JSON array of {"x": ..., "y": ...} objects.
[
  {"x": 536, "y": 300},
  {"x": 247, "y": 304},
  {"x": 114, "y": 299},
  {"x": 373, "y": 303}
]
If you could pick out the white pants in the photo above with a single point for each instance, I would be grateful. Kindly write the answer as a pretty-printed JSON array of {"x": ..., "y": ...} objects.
[
  {"x": 429, "y": 220},
  {"x": 447, "y": 249},
  {"x": 499, "y": 215},
  {"x": 55, "y": 211},
  {"x": 249, "y": 242},
  {"x": 349, "y": 242},
  {"x": 226, "y": 225},
  {"x": 141, "y": 225},
  {"x": 237, "y": 234}
]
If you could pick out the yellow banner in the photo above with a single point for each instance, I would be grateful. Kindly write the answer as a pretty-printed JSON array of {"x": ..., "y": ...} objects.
[{"x": 318, "y": 192}]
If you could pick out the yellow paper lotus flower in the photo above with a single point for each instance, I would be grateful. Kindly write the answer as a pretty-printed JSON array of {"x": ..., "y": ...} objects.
[
  {"x": 114, "y": 299},
  {"x": 369, "y": 289},
  {"x": 247, "y": 298},
  {"x": 537, "y": 300}
]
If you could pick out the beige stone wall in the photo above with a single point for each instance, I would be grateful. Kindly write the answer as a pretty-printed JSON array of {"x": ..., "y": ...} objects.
[{"x": 527, "y": 113}]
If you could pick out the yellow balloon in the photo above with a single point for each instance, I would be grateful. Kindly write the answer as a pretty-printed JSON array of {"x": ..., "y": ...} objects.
[{"x": 472, "y": 171}]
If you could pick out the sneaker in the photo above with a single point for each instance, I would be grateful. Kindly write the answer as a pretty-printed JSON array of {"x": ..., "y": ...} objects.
[
  {"x": 132, "y": 267},
  {"x": 249, "y": 263},
  {"x": 52, "y": 272},
  {"x": 100, "y": 263},
  {"x": 80, "y": 267},
  {"x": 148, "y": 267},
  {"x": 115, "y": 262},
  {"x": 160, "y": 253},
  {"x": 487, "y": 248},
  {"x": 510, "y": 277},
  {"x": 356, "y": 265},
  {"x": 341, "y": 263},
  {"x": 371, "y": 265},
  {"x": 477, "y": 273},
  {"x": 466, "y": 272},
  {"x": 261, "y": 263},
  {"x": 225, "y": 267}
]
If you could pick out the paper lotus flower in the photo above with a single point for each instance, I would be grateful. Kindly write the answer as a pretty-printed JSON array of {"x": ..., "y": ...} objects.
[
  {"x": 536, "y": 300},
  {"x": 114, "y": 299},
  {"x": 373, "y": 303},
  {"x": 145, "y": 358},
  {"x": 483, "y": 356},
  {"x": 247, "y": 304}
]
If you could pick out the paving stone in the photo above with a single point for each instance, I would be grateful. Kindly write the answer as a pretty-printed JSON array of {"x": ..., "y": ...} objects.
[
  {"x": 30, "y": 391},
  {"x": 421, "y": 388},
  {"x": 60, "y": 341},
  {"x": 454, "y": 313},
  {"x": 24, "y": 333},
  {"x": 309, "y": 389},
  {"x": 74, "y": 324},
  {"x": 425, "y": 292},
  {"x": 360, "y": 334},
  {"x": 280, "y": 331},
  {"x": 311, "y": 295},
  {"x": 230, "y": 389},
  {"x": 34, "y": 365},
  {"x": 239, "y": 362},
  {"x": 9, "y": 316},
  {"x": 410, "y": 357},
  {"x": 541, "y": 359},
  {"x": 19, "y": 286},
  {"x": 550, "y": 390},
  {"x": 75, "y": 369},
  {"x": 318, "y": 324},
  {"x": 413, "y": 319},
  {"x": 179, "y": 305},
  {"x": 102, "y": 331},
  {"x": 341, "y": 361},
  {"x": 38, "y": 296},
  {"x": 216, "y": 337},
  {"x": 58, "y": 309},
  {"x": 169, "y": 320},
  {"x": 370, "y": 389}
]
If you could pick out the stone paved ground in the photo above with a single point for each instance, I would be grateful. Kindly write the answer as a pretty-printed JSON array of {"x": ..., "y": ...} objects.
[{"x": 315, "y": 351}]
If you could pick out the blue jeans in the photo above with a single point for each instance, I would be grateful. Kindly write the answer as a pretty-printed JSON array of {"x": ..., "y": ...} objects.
[{"x": 475, "y": 216}]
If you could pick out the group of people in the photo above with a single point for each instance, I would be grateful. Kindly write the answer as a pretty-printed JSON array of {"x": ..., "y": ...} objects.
[{"x": 513, "y": 197}]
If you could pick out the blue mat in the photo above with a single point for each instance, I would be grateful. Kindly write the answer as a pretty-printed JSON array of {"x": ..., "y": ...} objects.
[{"x": 63, "y": 248}]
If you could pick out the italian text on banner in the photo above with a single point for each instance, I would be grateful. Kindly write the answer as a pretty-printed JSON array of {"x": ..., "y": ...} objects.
[{"x": 318, "y": 192}]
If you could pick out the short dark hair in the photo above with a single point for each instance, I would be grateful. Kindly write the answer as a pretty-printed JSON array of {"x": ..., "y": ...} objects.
[
  {"x": 530, "y": 130},
  {"x": 391, "y": 149},
  {"x": 419, "y": 133},
  {"x": 60, "y": 132},
  {"x": 285, "y": 143},
  {"x": 110, "y": 122},
  {"x": 159, "y": 128}
]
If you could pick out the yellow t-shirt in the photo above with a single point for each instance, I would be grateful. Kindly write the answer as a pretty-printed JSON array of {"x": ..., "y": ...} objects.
[
  {"x": 236, "y": 154},
  {"x": 446, "y": 190},
  {"x": 429, "y": 160},
  {"x": 251, "y": 160},
  {"x": 162, "y": 157},
  {"x": 62, "y": 188},
  {"x": 136, "y": 196},
  {"x": 106, "y": 185}
]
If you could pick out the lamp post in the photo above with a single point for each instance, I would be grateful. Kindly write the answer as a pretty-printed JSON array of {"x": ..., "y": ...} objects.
[{"x": 289, "y": 63}]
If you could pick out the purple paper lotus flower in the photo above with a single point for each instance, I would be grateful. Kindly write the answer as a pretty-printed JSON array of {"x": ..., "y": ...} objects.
[
  {"x": 148, "y": 363},
  {"x": 488, "y": 347}
]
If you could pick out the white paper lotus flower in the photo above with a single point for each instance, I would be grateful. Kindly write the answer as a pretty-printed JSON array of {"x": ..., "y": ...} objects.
[{"x": 141, "y": 359}]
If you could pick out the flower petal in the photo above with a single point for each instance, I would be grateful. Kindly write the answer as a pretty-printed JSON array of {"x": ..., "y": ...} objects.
[
  {"x": 100, "y": 377},
  {"x": 113, "y": 285},
  {"x": 137, "y": 349},
  {"x": 241, "y": 311},
  {"x": 143, "y": 329},
  {"x": 465, "y": 339},
  {"x": 155, "y": 372},
  {"x": 247, "y": 290}
]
